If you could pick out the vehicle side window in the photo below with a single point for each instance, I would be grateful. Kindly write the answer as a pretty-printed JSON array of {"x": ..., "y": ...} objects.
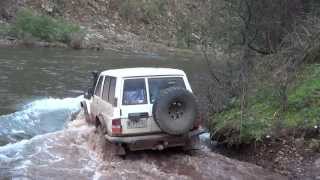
[
  {"x": 134, "y": 92},
  {"x": 156, "y": 85},
  {"x": 112, "y": 89},
  {"x": 98, "y": 87},
  {"x": 105, "y": 91}
]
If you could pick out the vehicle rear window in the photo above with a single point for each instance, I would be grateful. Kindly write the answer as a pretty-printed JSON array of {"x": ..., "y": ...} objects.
[
  {"x": 98, "y": 87},
  {"x": 156, "y": 85},
  {"x": 134, "y": 92}
]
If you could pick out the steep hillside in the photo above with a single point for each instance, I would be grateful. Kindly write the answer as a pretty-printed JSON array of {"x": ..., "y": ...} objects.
[{"x": 124, "y": 25}]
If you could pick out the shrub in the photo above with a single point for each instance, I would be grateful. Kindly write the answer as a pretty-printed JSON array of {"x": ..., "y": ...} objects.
[
  {"x": 76, "y": 40},
  {"x": 42, "y": 27},
  {"x": 232, "y": 128},
  {"x": 263, "y": 115}
]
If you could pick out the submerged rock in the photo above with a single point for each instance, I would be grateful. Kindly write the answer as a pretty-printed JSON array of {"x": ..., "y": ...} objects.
[{"x": 78, "y": 152}]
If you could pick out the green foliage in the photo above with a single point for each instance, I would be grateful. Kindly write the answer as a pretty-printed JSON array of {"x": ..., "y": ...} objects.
[
  {"x": 263, "y": 113},
  {"x": 233, "y": 128},
  {"x": 42, "y": 27},
  {"x": 304, "y": 99}
]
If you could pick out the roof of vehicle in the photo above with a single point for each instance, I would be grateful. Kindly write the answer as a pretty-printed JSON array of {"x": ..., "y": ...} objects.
[{"x": 142, "y": 71}]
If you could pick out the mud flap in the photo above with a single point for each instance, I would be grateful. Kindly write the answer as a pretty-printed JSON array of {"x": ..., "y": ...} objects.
[
  {"x": 114, "y": 151},
  {"x": 120, "y": 150},
  {"x": 194, "y": 140},
  {"x": 86, "y": 112},
  {"x": 192, "y": 144}
]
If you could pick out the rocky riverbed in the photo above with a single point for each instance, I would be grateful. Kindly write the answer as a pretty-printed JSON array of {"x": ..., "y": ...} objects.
[{"x": 79, "y": 152}]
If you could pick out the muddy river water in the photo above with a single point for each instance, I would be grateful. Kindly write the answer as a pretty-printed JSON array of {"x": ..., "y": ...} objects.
[{"x": 40, "y": 90}]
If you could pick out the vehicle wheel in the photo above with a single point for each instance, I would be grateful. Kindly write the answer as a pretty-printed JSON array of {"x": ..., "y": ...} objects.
[
  {"x": 111, "y": 149},
  {"x": 175, "y": 110},
  {"x": 99, "y": 124}
]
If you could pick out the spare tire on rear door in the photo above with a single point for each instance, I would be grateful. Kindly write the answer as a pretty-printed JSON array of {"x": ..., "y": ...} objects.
[{"x": 175, "y": 110}]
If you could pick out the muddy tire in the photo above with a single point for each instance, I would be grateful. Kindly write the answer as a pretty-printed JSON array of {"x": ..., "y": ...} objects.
[
  {"x": 110, "y": 150},
  {"x": 99, "y": 123},
  {"x": 175, "y": 111}
]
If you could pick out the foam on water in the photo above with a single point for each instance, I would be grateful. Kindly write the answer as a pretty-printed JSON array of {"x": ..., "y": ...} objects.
[
  {"x": 38, "y": 117},
  {"x": 64, "y": 151}
]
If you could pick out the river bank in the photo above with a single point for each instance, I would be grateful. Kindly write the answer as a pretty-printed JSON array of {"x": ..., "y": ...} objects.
[
  {"x": 96, "y": 40},
  {"x": 289, "y": 145},
  {"x": 292, "y": 157},
  {"x": 99, "y": 25}
]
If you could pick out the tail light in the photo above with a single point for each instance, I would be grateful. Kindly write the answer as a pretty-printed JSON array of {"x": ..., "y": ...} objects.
[{"x": 116, "y": 126}]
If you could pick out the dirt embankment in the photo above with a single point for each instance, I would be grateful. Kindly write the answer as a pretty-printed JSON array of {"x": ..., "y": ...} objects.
[
  {"x": 294, "y": 158},
  {"x": 78, "y": 152}
]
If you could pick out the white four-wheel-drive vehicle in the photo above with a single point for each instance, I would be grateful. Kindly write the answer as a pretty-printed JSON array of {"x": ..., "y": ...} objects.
[{"x": 143, "y": 108}]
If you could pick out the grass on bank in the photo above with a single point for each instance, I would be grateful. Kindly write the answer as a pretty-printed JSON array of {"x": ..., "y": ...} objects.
[
  {"x": 263, "y": 115},
  {"x": 30, "y": 25}
]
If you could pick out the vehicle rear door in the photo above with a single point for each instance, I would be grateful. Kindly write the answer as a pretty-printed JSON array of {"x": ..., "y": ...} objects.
[{"x": 135, "y": 116}]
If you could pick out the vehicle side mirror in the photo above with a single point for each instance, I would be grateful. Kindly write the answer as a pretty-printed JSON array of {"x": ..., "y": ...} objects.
[{"x": 95, "y": 75}]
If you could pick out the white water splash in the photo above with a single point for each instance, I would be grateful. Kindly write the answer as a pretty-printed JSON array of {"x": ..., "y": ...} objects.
[
  {"x": 54, "y": 104},
  {"x": 63, "y": 154},
  {"x": 38, "y": 117}
]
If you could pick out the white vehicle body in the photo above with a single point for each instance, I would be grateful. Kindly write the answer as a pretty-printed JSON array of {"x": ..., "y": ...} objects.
[{"x": 124, "y": 121}]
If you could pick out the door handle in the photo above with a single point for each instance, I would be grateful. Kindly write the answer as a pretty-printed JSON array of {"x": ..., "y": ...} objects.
[{"x": 137, "y": 116}]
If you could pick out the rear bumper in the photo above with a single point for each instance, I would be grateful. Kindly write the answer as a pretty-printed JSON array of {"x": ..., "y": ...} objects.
[{"x": 154, "y": 141}]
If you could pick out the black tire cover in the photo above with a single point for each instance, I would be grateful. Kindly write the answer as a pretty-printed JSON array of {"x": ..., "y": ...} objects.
[{"x": 175, "y": 110}]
